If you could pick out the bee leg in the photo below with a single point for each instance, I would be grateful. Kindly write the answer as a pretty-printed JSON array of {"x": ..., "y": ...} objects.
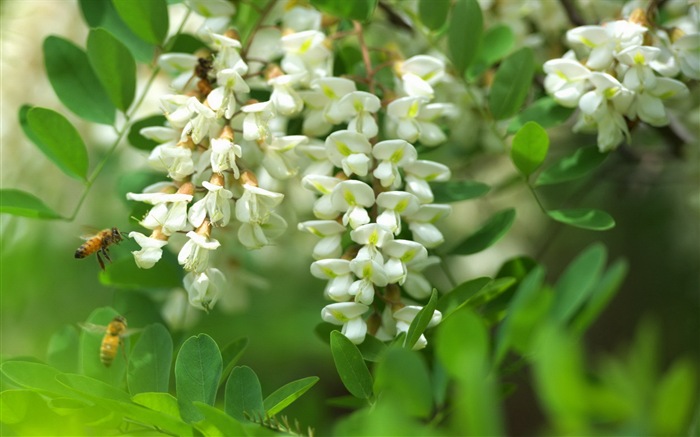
[
  {"x": 99, "y": 260},
  {"x": 105, "y": 252}
]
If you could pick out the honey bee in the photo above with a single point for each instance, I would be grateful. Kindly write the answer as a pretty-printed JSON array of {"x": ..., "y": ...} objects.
[
  {"x": 99, "y": 243},
  {"x": 114, "y": 334}
]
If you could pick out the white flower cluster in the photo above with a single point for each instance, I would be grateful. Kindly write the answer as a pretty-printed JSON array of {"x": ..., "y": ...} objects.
[{"x": 622, "y": 71}]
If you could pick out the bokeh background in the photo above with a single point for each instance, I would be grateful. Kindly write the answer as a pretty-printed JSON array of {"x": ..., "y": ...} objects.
[{"x": 652, "y": 188}]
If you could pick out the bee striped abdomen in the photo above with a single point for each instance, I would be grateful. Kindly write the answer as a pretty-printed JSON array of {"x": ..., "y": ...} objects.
[{"x": 109, "y": 348}]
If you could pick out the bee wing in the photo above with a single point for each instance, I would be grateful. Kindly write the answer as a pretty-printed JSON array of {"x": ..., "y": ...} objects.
[
  {"x": 88, "y": 232},
  {"x": 92, "y": 328},
  {"x": 130, "y": 332}
]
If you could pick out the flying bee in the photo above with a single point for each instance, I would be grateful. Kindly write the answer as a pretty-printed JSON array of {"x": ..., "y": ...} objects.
[
  {"x": 114, "y": 334},
  {"x": 99, "y": 243}
]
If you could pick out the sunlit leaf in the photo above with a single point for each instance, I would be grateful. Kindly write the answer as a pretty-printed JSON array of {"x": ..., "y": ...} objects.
[
  {"x": 197, "y": 372},
  {"x": 149, "y": 364},
  {"x": 75, "y": 83},
  {"x": 288, "y": 393},
  {"x": 350, "y": 366},
  {"x": 454, "y": 191},
  {"x": 498, "y": 41},
  {"x": 35, "y": 376},
  {"x": 147, "y": 19},
  {"x": 421, "y": 321},
  {"x": 213, "y": 417},
  {"x": 59, "y": 141},
  {"x": 465, "y": 33},
  {"x": 568, "y": 168},
  {"x": 578, "y": 281},
  {"x": 63, "y": 349},
  {"x": 675, "y": 398},
  {"x": 410, "y": 387},
  {"x": 511, "y": 83},
  {"x": 243, "y": 398},
  {"x": 433, "y": 13},
  {"x": 361, "y": 10},
  {"x": 114, "y": 66},
  {"x": 492, "y": 231},
  {"x": 158, "y": 401},
  {"x": 101, "y": 13},
  {"x": 593, "y": 219},
  {"x": 530, "y": 146},
  {"x": 460, "y": 294},
  {"x": 23, "y": 204},
  {"x": 545, "y": 111}
]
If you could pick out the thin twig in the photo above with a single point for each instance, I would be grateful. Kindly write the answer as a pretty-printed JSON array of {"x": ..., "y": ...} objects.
[{"x": 571, "y": 12}]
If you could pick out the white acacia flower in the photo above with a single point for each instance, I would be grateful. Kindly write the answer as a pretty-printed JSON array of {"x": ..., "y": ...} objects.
[
  {"x": 280, "y": 160},
  {"x": 391, "y": 155},
  {"x": 169, "y": 211},
  {"x": 333, "y": 89},
  {"x": 400, "y": 253},
  {"x": 305, "y": 52},
  {"x": 404, "y": 111},
  {"x": 284, "y": 97},
  {"x": 416, "y": 285},
  {"x": 227, "y": 53},
  {"x": 404, "y": 317},
  {"x": 606, "y": 104},
  {"x": 371, "y": 236},
  {"x": 177, "y": 161},
  {"x": 216, "y": 205},
  {"x": 419, "y": 73},
  {"x": 318, "y": 164},
  {"x": 256, "y": 204},
  {"x": 352, "y": 197},
  {"x": 421, "y": 224},
  {"x": 222, "y": 99},
  {"x": 430, "y": 134},
  {"x": 339, "y": 276},
  {"x": 603, "y": 43},
  {"x": 566, "y": 81},
  {"x": 649, "y": 106},
  {"x": 370, "y": 273},
  {"x": 348, "y": 314},
  {"x": 180, "y": 65},
  {"x": 687, "y": 50},
  {"x": 639, "y": 76},
  {"x": 357, "y": 108},
  {"x": 323, "y": 185},
  {"x": 393, "y": 204},
  {"x": 256, "y": 124},
  {"x": 330, "y": 232},
  {"x": 201, "y": 126},
  {"x": 176, "y": 109},
  {"x": 419, "y": 173},
  {"x": 223, "y": 156},
  {"x": 301, "y": 17},
  {"x": 255, "y": 235},
  {"x": 349, "y": 151},
  {"x": 205, "y": 288},
  {"x": 151, "y": 250},
  {"x": 194, "y": 255}
]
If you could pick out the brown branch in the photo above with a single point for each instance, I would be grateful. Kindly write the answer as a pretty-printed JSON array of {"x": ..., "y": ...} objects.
[{"x": 571, "y": 12}]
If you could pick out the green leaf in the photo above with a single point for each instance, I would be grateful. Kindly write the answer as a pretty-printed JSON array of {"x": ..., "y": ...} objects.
[
  {"x": 568, "y": 168},
  {"x": 512, "y": 84},
  {"x": 492, "y": 231},
  {"x": 158, "y": 401},
  {"x": 63, "y": 350},
  {"x": 288, "y": 393},
  {"x": 490, "y": 292},
  {"x": 197, "y": 372},
  {"x": 26, "y": 412},
  {"x": 149, "y": 364},
  {"x": 124, "y": 273},
  {"x": 517, "y": 268},
  {"x": 530, "y": 146},
  {"x": 433, "y": 13},
  {"x": 231, "y": 354},
  {"x": 577, "y": 282},
  {"x": 185, "y": 43},
  {"x": 224, "y": 424},
  {"x": 674, "y": 399},
  {"x": 593, "y": 219},
  {"x": 454, "y": 191},
  {"x": 90, "y": 345},
  {"x": 420, "y": 322},
  {"x": 462, "y": 346},
  {"x": 59, "y": 141},
  {"x": 101, "y": 13},
  {"x": 147, "y": 19},
  {"x": 371, "y": 349},
  {"x": 139, "y": 141},
  {"x": 35, "y": 376},
  {"x": 545, "y": 111},
  {"x": 243, "y": 395},
  {"x": 23, "y": 204},
  {"x": 465, "y": 33},
  {"x": 351, "y": 367},
  {"x": 75, "y": 83},
  {"x": 94, "y": 387},
  {"x": 460, "y": 295},
  {"x": 498, "y": 41},
  {"x": 114, "y": 66},
  {"x": 361, "y": 10},
  {"x": 526, "y": 293},
  {"x": 410, "y": 387},
  {"x": 601, "y": 294}
]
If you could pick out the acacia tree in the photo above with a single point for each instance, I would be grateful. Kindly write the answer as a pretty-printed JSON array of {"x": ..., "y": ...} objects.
[{"x": 353, "y": 121}]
